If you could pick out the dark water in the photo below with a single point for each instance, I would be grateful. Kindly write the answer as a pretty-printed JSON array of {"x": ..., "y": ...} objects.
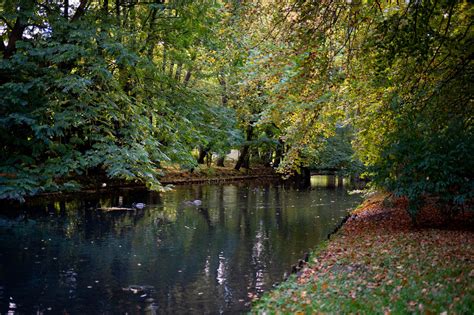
[{"x": 67, "y": 257}]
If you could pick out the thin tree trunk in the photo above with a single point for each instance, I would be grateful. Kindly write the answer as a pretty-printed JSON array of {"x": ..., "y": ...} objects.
[
  {"x": 117, "y": 11},
  {"x": 163, "y": 65},
  {"x": 303, "y": 178},
  {"x": 209, "y": 159},
  {"x": 331, "y": 181},
  {"x": 266, "y": 157},
  {"x": 150, "y": 36},
  {"x": 171, "y": 70},
  {"x": 340, "y": 181},
  {"x": 223, "y": 84},
  {"x": 81, "y": 10},
  {"x": 278, "y": 153},
  {"x": 66, "y": 9},
  {"x": 187, "y": 77},
  {"x": 246, "y": 163},
  {"x": 177, "y": 76},
  {"x": 15, "y": 35}
]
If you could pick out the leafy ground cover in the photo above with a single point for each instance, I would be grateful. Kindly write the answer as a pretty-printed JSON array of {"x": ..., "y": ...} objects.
[{"x": 379, "y": 263}]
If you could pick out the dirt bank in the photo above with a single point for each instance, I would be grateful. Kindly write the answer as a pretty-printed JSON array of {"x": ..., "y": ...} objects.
[{"x": 217, "y": 174}]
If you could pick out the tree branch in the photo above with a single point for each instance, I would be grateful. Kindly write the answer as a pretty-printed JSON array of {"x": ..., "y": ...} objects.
[
  {"x": 81, "y": 10},
  {"x": 6, "y": 22},
  {"x": 15, "y": 35}
]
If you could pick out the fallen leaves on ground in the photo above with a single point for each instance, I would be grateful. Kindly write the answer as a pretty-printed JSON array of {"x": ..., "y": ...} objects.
[{"x": 379, "y": 262}]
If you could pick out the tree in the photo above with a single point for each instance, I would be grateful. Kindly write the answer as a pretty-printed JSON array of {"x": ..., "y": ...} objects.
[
  {"x": 401, "y": 72},
  {"x": 336, "y": 153},
  {"x": 103, "y": 90}
]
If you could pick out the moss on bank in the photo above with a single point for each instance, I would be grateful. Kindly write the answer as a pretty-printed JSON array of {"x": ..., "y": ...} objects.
[{"x": 379, "y": 263}]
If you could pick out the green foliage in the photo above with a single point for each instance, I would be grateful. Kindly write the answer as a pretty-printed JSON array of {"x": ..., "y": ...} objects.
[
  {"x": 90, "y": 94},
  {"x": 115, "y": 90},
  {"x": 437, "y": 163},
  {"x": 399, "y": 73},
  {"x": 422, "y": 125},
  {"x": 336, "y": 153}
]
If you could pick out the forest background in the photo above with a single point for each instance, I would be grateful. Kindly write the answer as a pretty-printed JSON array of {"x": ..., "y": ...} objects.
[{"x": 120, "y": 89}]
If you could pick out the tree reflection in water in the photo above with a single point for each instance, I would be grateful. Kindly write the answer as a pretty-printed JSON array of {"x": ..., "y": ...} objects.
[{"x": 205, "y": 258}]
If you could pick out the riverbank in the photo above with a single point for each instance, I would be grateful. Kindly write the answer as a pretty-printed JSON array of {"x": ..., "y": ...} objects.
[
  {"x": 213, "y": 174},
  {"x": 378, "y": 262},
  {"x": 171, "y": 176}
]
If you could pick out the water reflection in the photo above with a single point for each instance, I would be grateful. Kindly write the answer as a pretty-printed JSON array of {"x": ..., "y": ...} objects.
[{"x": 168, "y": 257}]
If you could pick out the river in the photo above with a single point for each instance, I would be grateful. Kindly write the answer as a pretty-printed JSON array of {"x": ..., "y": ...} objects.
[{"x": 67, "y": 257}]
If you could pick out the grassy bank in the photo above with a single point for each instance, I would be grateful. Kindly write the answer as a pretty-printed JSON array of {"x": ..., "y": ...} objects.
[{"x": 379, "y": 263}]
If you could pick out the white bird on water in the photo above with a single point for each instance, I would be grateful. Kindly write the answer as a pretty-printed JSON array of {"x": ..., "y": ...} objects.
[
  {"x": 196, "y": 202},
  {"x": 138, "y": 205}
]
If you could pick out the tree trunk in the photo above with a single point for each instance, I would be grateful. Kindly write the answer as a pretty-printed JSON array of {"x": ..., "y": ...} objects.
[
  {"x": 340, "y": 181},
  {"x": 171, "y": 70},
  {"x": 163, "y": 65},
  {"x": 15, "y": 35},
  {"x": 303, "y": 178},
  {"x": 265, "y": 156},
  {"x": 187, "y": 77},
  {"x": 209, "y": 159},
  {"x": 66, "y": 9},
  {"x": 177, "y": 76},
  {"x": 81, "y": 10},
  {"x": 278, "y": 154},
  {"x": 246, "y": 163},
  {"x": 202, "y": 155},
  {"x": 117, "y": 9},
  {"x": 244, "y": 157},
  {"x": 223, "y": 84},
  {"x": 220, "y": 161},
  {"x": 331, "y": 181}
]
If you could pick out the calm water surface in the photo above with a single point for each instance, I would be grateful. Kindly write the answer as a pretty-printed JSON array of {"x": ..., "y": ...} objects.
[{"x": 170, "y": 257}]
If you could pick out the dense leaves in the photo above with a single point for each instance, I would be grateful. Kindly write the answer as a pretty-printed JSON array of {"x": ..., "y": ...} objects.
[
  {"x": 398, "y": 74},
  {"x": 421, "y": 127},
  {"x": 96, "y": 90},
  {"x": 104, "y": 90}
]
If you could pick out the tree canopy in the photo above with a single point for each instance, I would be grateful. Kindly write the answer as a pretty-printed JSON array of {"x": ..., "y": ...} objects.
[{"x": 120, "y": 88}]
